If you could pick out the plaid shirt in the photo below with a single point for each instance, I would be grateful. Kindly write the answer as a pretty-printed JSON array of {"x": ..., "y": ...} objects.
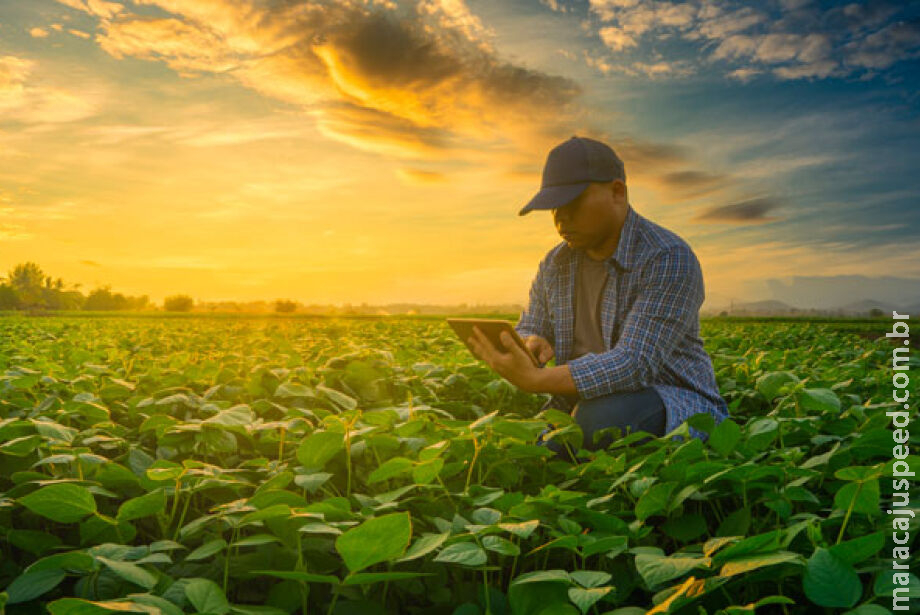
[{"x": 649, "y": 319}]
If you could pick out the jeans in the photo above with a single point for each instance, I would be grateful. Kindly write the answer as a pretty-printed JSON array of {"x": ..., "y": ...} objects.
[{"x": 640, "y": 410}]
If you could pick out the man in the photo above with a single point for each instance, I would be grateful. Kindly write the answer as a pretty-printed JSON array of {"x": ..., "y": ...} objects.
[{"x": 616, "y": 303}]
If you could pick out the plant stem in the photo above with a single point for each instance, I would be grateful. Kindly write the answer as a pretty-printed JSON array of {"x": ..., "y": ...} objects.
[
  {"x": 846, "y": 518},
  {"x": 281, "y": 446},
  {"x": 469, "y": 473}
]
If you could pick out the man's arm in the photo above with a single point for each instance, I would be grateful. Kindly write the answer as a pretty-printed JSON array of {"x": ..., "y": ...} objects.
[{"x": 666, "y": 308}]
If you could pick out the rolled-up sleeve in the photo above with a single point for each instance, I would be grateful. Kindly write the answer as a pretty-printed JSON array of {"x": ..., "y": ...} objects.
[
  {"x": 535, "y": 319},
  {"x": 667, "y": 306}
]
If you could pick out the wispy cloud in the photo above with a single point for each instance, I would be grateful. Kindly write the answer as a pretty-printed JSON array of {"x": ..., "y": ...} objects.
[
  {"x": 751, "y": 211},
  {"x": 24, "y": 99},
  {"x": 796, "y": 40},
  {"x": 421, "y": 177},
  {"x": 392, "y": 79}
]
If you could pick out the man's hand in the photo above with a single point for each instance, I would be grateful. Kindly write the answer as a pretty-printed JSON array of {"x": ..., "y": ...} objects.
[
  {"x": 540, "y": 348},
  {"x": 513, "y": 364}
]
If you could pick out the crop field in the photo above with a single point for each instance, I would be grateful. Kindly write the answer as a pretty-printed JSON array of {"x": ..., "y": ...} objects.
[{"x": 365, "y": 466}]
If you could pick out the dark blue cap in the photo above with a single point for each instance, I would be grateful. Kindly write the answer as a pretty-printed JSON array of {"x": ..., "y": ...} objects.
[{"x": 570, "y": 168}]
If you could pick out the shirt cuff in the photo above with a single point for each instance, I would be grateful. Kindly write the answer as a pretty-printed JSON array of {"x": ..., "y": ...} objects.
[{"x": 586, "y": 372}]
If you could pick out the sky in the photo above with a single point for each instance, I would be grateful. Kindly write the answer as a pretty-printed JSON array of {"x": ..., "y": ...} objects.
[{"x": 378, "y": 151}]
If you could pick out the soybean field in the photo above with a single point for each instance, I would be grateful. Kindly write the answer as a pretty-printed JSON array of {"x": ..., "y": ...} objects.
[{"x": 371, "y": 466}]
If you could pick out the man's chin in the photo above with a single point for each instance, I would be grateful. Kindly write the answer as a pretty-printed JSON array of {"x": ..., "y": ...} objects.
[{"x": 574, "y": 242}]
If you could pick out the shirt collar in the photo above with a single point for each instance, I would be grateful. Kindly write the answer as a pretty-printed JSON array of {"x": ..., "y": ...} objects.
[{"x": 625, "y": 255}]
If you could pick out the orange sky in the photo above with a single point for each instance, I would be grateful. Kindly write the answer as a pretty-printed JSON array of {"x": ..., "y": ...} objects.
[{"x": 375, "y": 152}]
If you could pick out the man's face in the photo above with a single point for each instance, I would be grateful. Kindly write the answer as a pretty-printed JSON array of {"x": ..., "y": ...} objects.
[{"x": 590, "y": 219}]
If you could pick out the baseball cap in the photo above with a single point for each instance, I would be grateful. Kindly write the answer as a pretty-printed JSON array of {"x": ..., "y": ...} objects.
[{"x": 570, "y": 168}]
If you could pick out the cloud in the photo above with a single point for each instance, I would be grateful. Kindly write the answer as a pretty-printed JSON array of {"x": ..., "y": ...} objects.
[
  {"x": 886, "y": 46},
  {"x": 752, "y": 211},
  {"x": 691, "y": 184},
  {"x": 97, "y": 8},
  {"x": 13, "y": 232},
  {"x": 21, "y": 101},
  {"x": 90, "y": 263},
  {"x": 744, "y": 74},
  {"x": 421, "y": 177},
  {"x": 792, "y": 40},
  {"x": 183, "y": 47},
  {"x": 381, "y": 132},
  {"x": 38, "y": 33},
  {"x": 379, "y": 78}
]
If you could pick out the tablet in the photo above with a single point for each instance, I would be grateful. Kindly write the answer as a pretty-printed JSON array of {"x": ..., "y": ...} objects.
[{"x": 492, "y": 329}]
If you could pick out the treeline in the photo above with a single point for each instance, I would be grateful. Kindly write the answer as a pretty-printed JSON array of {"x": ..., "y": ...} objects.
[{"x": 27, "y": 287}]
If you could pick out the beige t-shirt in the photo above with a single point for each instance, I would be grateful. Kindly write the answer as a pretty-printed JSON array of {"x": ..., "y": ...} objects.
[{"x": 589, "y": 292}]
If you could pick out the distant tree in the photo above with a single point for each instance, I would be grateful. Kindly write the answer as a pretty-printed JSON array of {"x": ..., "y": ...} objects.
[
  {"x": 9, "y": 300},
  {"x": 71, "y": 300},
  {"x": 102, "y": 299},
  {"x": 723, "y": 313},
  {"x": 178, "y": 303},
  {"x": 141, "y": 302},
  {"x": 285, "y": 306},
  {"x": 876, "y": 313},
  {"x": 27, "y": 280}
]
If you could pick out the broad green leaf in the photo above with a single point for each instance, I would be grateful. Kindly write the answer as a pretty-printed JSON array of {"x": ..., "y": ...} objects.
[
  {"x": 312, "y": 482},
  {"x": 319, "y": 447},
  {"x": 31, "y": 585},
  {"x": 427, "y": 471},
  {"x": 757, "y": 560},
  {"x": 346, "y": 402},
  {"x": 239, "y": 415},
  {"x": 206, "y": 596},
  {"x": 829, "y": 581},
  {"x": 584, "y": 599},
  {"x": 500, "y": 545},
  {"x": 148, "y": 504},
  {"x": 771, "y": 384},
  {"x": 725, "y": 437},
  {"x": 64, "y": 503},
  {"x": 655, "y": 500},
  {"x": 819, "y": 400},
  {"x": 131, "y": 572},
  {"x": 389, "y": 469},
  {"x": 859, "y": 473},
  {"x": 543, "y": 576},
  {"x": 464, "y": 553},
  {"x": 20, "y": 447},
  {"x": 207, "y": 550},
  {"x": 424, "y": 545},
  {"x": 864, "y": 497},
  {"x": 379, "y": 539},
  {"x": 294, "y": 389},
  {"x": 658, "y": 569},
  {"x": 523, "y": 529},
  {"x": 590, "y": 578},
  {"x": 78, "y": 606},
  {"x": 859, "y": 549}
]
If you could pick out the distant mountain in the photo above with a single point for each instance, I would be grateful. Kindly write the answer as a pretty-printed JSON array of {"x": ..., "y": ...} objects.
[
  {"x": 767, "y": 307},
  {"x": 867, "y": 305},
  {"x": 773, "y": 307}
]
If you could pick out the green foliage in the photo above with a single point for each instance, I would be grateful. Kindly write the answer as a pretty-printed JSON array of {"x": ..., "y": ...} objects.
[
  {"x": 228, "y": 466},
  {"x": 178, "y": 303}
]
